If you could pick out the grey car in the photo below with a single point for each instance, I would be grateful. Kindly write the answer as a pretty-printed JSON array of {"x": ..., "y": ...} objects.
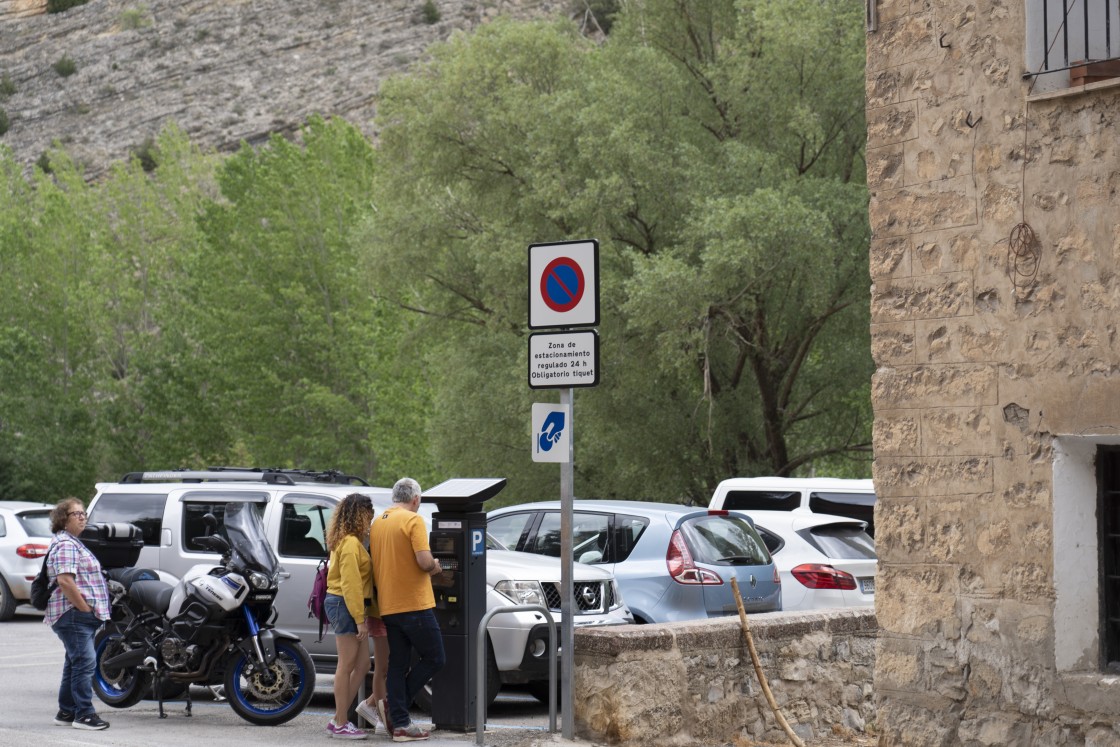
[
  {"x": 671, "y": 562},
  {"x": 25, "y": 535}
]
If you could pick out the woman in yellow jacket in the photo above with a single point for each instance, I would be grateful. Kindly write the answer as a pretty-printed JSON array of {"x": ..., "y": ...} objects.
[{"x": 349, "y": 584}]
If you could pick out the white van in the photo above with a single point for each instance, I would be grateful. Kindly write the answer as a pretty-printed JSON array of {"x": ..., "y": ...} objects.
[{"x": 822, "y": 495}]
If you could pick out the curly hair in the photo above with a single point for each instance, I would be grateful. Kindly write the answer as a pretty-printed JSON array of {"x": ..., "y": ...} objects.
[
  {"x": 60, "y": 514},
  {"x": 352, "y": 515}
]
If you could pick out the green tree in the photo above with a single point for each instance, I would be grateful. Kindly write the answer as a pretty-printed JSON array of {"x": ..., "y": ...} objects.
[
  {"x": 714, "y": 148},
  {"x": 303, "y": 351}
]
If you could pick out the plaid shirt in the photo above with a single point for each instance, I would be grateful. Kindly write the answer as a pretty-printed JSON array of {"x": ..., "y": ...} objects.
[{"x": 68, "y": 555}]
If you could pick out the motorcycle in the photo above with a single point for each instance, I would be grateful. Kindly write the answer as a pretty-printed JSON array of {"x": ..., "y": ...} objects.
[{"x": 212, "y": 628}]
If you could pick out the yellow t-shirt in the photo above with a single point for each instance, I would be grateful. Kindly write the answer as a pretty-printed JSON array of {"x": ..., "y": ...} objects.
[
  {"x": 396, "y": 535},
  {"x": 350, "y": 576}
]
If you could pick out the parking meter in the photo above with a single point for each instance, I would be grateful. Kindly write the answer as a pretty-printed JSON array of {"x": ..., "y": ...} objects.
[{"x": 458, "y": 539}]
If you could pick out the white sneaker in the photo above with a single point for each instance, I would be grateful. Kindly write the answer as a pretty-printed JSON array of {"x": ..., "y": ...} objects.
[{"x": 369, "y": 713}]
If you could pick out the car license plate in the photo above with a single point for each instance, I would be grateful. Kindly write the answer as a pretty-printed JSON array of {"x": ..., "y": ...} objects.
[{"x": 867, "y": 585}]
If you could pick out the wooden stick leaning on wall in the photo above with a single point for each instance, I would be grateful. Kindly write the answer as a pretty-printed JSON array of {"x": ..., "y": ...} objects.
[{"x": 796, "y": 740}]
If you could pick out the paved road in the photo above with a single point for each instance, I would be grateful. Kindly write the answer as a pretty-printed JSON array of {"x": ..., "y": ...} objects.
[{"x": 31, "y": 663}]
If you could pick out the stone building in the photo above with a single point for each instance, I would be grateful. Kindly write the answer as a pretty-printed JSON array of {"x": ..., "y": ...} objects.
[{"x": 994, "y": 171}]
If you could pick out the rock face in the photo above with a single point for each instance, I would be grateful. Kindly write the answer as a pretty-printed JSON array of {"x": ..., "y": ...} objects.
[{"x": 225, "y": 70}]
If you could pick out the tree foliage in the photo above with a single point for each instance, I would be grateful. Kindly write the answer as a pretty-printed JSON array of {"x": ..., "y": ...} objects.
[{"x": 715, "y": 149}]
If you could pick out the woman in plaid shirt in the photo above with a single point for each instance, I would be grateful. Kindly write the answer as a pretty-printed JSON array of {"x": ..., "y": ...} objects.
[{"x": 76, "y": 608}]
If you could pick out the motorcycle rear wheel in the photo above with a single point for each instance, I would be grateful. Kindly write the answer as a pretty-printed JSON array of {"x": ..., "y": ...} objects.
[
  {"x": 119, "y": 688},
  {"x": 271, "y": 703}
]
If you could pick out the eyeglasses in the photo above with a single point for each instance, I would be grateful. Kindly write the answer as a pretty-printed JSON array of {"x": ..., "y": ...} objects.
[{"x": 81, "y": 514}]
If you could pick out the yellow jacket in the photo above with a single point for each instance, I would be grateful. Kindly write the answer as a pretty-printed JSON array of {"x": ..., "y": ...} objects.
[{"x": 350, "y": 576}]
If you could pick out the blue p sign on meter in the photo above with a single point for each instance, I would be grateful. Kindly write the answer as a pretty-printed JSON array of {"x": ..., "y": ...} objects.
[{"x": 564, "y": 284}]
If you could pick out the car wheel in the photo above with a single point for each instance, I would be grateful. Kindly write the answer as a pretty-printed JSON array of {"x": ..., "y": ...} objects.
[
  {"x": 539, "y": 690},
  {"x": 7, "y": 601}
]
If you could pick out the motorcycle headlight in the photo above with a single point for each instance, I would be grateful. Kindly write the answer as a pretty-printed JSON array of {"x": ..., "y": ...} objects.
[
  {"x": 522, "y": 592},
  {"x": 259, "y": 581}
]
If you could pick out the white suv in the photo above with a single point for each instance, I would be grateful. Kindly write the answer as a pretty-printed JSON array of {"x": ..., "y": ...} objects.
[{"x": 296, "y": 506}]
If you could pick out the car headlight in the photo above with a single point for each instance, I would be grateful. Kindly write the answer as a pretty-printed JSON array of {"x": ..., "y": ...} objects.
[
  {"x": 616, "y": 595},
  {"x": 259, "y": 581},
  {"x": 522, "y": 592}
]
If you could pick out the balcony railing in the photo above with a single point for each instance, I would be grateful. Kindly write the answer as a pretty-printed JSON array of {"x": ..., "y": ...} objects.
[{"x": 1078, "y": 36}]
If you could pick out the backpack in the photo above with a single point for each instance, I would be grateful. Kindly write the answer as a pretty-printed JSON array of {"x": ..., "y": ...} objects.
[
  {"x": 317, "y": 602},
  {"x": 42, "y": 587}
]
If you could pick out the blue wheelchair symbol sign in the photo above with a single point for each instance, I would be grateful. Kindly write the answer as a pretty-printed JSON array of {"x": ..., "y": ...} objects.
[{"x": 478, "y": 544}]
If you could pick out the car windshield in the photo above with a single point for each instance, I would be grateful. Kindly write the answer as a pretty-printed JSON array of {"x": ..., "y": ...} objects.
[
  {"x": 36, "y": 523},
  {"x": 724, "y": 540},
  {"x": 841, "y": 541}
]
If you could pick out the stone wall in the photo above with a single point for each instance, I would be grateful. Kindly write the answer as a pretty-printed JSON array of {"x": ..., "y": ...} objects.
[
  {"x": 684, "y": 683},
  {"x": 987, "y": 361}
]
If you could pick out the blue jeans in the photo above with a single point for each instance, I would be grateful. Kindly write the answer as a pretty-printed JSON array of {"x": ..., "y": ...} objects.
[
  {"x": 75, "y": 692},
  {"x": 407, "y": 631}
]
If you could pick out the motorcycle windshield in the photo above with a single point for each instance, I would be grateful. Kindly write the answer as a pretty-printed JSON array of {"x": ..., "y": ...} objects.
[{"x": 250, "y": 548}]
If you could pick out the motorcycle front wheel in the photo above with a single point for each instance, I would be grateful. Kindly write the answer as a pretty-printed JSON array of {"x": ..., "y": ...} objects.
[
  {"x": 119, "y": 688},
  {"x": 272, "y": 697}
]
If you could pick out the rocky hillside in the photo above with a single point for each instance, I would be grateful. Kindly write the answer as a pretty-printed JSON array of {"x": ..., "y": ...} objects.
[{"x": 103, "y": 77}]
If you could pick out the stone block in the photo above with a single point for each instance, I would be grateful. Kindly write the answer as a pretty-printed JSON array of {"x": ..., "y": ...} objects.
[
  {"x": 944, "y": 253},
  {"x": 904, "y": 39},
  {"x": 958, "y": 430},
  {"x": 922, "y": 297},
  {"x": 892, "y": 344},
  {"x": 954, "y": 385},
  {"x": 926, "y": 207},
  {"x": 892, "y": 124},
  {"x": 897, "y": 433},
  {"x": 890, "y": 257},
  {"x": 884, "y": 167},
  {"x": 882, "y": 88},
  {"x": 961, "y": 340},
  {"x": 931, "y": 476}
]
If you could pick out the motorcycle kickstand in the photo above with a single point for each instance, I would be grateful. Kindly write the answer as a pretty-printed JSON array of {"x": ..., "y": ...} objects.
[{"x": 188, "y": 713}]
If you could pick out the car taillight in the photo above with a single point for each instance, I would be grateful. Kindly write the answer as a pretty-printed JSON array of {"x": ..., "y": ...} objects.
[
  {"x": 31, "y": 551},
  {"x": 682, "y": 569},
  {"x": 819, "y": 576},
  {"x": 777, "y": 578}
]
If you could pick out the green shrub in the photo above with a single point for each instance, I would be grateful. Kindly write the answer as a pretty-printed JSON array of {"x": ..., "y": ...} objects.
[
  {"x": 4, "y": 122},
  {"x": 147, "y": 153},
  {"x": 430, "y": 13},
  {"x": 135, "y": 18},
  {"x": 65, "y": 66},
  {"x": 7, "y": 86},
  {"x": 44, "y": 163},
  {"x": 58, "y": 6}
]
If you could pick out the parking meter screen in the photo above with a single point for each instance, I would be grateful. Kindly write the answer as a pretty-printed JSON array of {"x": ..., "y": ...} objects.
[{"x": 443, "y": 545}]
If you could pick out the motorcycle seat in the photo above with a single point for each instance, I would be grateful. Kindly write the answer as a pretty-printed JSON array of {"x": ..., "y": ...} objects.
[
  {"x": 126, "y": 577},
  {"x": 154, "y": 595}
]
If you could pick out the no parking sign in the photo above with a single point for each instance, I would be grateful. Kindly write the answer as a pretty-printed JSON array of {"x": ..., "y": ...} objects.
[{"x": 564, "y": 284}]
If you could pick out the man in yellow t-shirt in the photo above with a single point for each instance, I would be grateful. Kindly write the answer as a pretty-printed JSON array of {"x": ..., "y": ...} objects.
[{"x": 402, "y": 569}]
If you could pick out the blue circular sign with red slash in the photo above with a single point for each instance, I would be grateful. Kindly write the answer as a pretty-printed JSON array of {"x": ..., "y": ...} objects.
[{"x": 562, "y": 284}]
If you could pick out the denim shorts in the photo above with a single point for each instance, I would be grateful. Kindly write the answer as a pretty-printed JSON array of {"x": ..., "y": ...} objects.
[{"x": 342, "y": 623}]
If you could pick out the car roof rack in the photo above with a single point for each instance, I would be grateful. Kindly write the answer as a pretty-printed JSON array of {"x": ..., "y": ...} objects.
[{"x": 270, "y": 475}]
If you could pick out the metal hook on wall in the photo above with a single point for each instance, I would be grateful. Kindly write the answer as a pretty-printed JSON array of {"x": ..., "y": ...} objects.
[
  {"x": 968, "y": 121},
  {"x": 941, "y": 42}
]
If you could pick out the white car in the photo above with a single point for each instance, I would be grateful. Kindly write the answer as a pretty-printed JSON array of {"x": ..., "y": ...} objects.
[
  {"x": 25, "y": 535},
  {"x": 823, "y": 560}
]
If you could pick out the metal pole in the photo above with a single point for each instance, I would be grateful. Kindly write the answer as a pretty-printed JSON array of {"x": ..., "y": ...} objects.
[
  {"x": 480, "y": 679},
  {"x": 567, "y": 637}
]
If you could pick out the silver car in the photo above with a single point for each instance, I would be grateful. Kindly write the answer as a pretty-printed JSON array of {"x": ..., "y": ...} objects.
[
  {"x": 671, "y": 562},
  {"x": 25, "y": 535}
]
